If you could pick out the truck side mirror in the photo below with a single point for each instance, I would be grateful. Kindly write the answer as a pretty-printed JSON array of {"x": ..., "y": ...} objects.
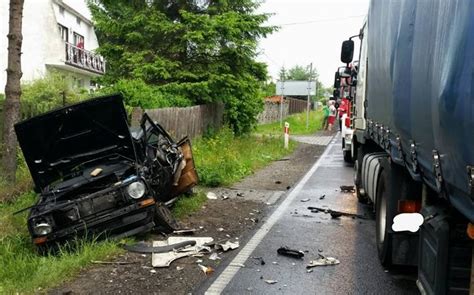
[
  {"x": 347, "y": 51},
  {"x": 337, "y": 80}
]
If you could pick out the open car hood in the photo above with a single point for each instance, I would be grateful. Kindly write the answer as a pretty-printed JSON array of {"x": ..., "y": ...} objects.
[{"x": 56, "y": 142}]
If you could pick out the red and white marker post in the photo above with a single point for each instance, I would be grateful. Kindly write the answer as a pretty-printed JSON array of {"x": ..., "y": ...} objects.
[{"x": 287, "y": 134}]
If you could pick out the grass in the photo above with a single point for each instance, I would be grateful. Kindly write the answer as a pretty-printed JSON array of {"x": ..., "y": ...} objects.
[
  {"x": 224, "y": 159},
  {"x": 297, "y": 124},
  {"x": 24, "y": 271},
  {"x": 221, "y": 159}
]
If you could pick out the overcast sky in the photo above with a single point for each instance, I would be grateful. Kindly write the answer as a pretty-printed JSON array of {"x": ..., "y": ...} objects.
[{"x": 311, "y": 31}]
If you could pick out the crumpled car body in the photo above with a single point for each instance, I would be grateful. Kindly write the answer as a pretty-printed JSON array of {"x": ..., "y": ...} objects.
[{"x": 96, "y": 177}]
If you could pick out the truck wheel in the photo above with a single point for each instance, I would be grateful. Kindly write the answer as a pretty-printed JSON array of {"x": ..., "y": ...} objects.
[
  {"x": 164, "y": 220},
  {"x": 382, "y": 222},
  {"x": 358, "y": 176}
]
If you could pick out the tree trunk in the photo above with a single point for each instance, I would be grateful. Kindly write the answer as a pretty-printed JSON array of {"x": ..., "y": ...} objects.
[{"x": 11, "y": 110}]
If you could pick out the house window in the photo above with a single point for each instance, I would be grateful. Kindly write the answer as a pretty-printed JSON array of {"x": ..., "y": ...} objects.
[
  {"x": 64, "y": 32},
  {"x": 78, "y": 40}
]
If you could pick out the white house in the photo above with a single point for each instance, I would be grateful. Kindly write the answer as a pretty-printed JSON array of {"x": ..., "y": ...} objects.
[{"x": 57, "y": 35}]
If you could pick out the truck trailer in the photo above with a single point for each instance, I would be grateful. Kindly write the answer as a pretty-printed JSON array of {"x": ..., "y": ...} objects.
[{"x": 413, "y": 139}]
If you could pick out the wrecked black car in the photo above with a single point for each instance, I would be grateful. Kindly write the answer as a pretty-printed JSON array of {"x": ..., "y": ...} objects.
[{"x": 96, "y": 177}]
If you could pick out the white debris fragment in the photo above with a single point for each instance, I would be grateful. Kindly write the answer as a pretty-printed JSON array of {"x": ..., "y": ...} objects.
[
  {"x": 220, "y": 229},
  {"x": 324, "y": 261},
  {"x": 309, "y": 270},
  {"x": 199, "y": 261},
  {"x": 275, "y": 263},
  {"x": 206, "y": 269},
  {"x": 229, "y": 246},
  {"x": 305, "y": 200},
  {"x": 152, "y": 271},
  {"x": 271, "y": 282},
  {"x": 237, "y": 264},
  {"x": 211, "y": 196},
  {"x": 178, "y": 268},
  {"x": 214, "y": 256},
  {"x": 165, "y": 259},
  {"x": 224, "y": 197}
]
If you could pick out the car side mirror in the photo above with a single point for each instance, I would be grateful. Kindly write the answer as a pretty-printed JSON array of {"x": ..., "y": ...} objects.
[{"x": 347, "y": 51}]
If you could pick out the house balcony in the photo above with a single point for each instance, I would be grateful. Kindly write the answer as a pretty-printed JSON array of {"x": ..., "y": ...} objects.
[{"x": 84, "y": 59}]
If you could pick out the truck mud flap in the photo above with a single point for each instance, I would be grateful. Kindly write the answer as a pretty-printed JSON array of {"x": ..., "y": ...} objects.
[
  {"x": 370, "y": 174},
  {"x": 444, "y": 265}
]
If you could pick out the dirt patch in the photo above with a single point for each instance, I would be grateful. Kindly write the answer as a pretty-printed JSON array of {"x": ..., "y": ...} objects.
[{"x": 238, "y": 216}]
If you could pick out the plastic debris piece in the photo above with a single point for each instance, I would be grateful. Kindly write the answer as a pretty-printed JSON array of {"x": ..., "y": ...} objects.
[
  {"x": 165, "y": 259},
  {"x": 262, "y": 262},
  {"x": 322, "y": 197},
  {"x": 206, "y": 269},
  {"x": 322, "y": 261},
  {"x": 305, "y": 200},
  {"x": 285, "y": 251},
  {"x": 309, "y": 270},
  {"x": 278, "y": 182},
  {"x": 271, "y": 282},
  {"x": 214, "y": 256},
  {"x": 199, "y": 261},
  {"x": 240, "y": 194},
  {"x": 211, "y": 196},
  {"x": 335, "y": 214},
  {"x": 178, "y": 268},
  {"x": 96, "y": 172},
  {"x": 237, "y": 264},
  {"x": 229, "y": 246},
  {"x": 220, "y": 229},
  {"x": 185, "y": 231},
  {"x": 224, "y": 197},
  {"x": 152, "y": 271},
  {"x": 274, "y": 262},
  {"x": 347, "y": 188}
]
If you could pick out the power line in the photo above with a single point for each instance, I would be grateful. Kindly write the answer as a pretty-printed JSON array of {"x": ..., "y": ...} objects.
[{"x": 321, "y": 20}]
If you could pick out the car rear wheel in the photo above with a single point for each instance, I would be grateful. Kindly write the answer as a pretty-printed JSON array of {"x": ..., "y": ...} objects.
[{"x": 164, "y": 220}]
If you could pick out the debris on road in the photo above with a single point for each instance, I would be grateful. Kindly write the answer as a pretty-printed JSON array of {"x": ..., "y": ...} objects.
[
  {"x": 228, "y": 246},
  {"x": 305, "y": 200},
  {"x": 185, "y": 231},
  {"x": 285, "y": 251},
  {"x": 144, "y": 248},
  {"x": 322, "y": 197},
  {"x": 220, "y": 229},
  {"x": 206, "y": 269},
  {"x": 214, "y": 256},
  {"x": 262, "y": 262},
  {"x": 224, "y": 197},
  {"x": 211, "y": 196},
  {"x": 165, "y": 259},
  {"x": 347, "y": 188},
  {"x": 323, "y": 261},
  {"x": 271, "y": 282},
  {"x": 278, "y": 182},
  {"x": 335, "y": 214},
  {"x": 304, "y": 215},
  {"x": 179, "y": 268}
]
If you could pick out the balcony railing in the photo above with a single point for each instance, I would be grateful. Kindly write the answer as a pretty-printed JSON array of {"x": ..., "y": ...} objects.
[{"x": 84, "y": 59}]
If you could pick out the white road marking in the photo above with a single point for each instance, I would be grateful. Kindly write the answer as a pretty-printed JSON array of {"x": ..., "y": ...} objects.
[{"x": 218, "y": 286}]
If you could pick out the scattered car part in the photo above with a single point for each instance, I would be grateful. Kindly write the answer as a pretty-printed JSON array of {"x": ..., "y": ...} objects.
[
  {"x": 322, "y": 261},
  {"x": 164, "y": 219},
  {"x": 228, "y": 246},
  {"x": 262, "y": 262},
  {"x": 165, "y": 259},
  {"x": 206, "y": 269},
  {"x": 285, "y": 251},
  {"x": 305, "y": 200},
  {"x": 271, "y": 282},
  {"x": 144, "y": 248},
  {"x": 214, "y": 256},
  {"x": 190, "y": 231},
  {"x": 322, "y": 197},
  {"x": 335, "y": 213},
  {"x": 347, "y": 188}
]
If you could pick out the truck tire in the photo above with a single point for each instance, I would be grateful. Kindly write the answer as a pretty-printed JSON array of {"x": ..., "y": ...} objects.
[
  {"x": 383, "y": 217},
  {"x": 164, "y": 220},
  {"x": 358, "y": 176}
]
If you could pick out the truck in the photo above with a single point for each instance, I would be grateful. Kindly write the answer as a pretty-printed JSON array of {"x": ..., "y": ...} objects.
[{"x": 413, "y": 143}]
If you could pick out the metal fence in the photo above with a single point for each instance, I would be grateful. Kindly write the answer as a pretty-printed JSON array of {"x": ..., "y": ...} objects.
[{"x": 180, "y": 122}]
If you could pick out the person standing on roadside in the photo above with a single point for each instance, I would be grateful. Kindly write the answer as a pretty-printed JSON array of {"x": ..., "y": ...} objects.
[
  {"x": 326, "y": 113},
  {"x": 332, "y": 115}
]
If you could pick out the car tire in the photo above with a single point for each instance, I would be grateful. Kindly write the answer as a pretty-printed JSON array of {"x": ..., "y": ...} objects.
[{"x": 164, "y": 220}]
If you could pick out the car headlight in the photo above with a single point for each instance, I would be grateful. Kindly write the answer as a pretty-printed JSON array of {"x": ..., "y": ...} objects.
[
  {"x": 136, "y": 190},
  {"x": 42, "y": 228}
]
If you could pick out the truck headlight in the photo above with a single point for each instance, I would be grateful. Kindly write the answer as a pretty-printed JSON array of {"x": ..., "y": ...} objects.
[
  {"x": 136, "y": 189},
  {"x": 42, "y": 228}
]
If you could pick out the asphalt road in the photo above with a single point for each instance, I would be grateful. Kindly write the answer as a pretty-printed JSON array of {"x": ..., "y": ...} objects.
[{"x": 350, "y": 240}]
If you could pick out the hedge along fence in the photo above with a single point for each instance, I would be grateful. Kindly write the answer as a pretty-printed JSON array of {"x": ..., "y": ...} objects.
[{"x": 180, "y": 122}]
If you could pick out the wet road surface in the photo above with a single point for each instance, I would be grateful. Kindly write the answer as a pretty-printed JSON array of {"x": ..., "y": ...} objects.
[{"x": 350, "y": 240}]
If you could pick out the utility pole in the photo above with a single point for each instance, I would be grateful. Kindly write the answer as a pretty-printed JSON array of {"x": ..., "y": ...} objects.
[{"x": 309, "y": 95}]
